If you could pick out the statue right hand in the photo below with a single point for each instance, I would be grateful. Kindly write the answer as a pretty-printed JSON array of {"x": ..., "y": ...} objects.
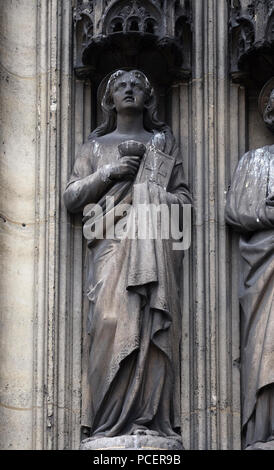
[{"x": 124, "y": 168}]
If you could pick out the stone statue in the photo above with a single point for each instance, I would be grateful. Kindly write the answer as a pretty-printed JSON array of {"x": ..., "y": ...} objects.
[
  {"x": 134, "y": 319},
  {"x": 250, "y": 211}
]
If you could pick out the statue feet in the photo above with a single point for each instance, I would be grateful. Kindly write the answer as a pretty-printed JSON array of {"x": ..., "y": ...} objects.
[{"x": 145, "y": 432}]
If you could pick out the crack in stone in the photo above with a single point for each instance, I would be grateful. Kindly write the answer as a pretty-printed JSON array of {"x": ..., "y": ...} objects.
[
  {"x": 14, "y": 408},
  {"x": 6, "y": 219},
  {"x": 25, "y": 224},
  {"x": 30, "y": 77}
]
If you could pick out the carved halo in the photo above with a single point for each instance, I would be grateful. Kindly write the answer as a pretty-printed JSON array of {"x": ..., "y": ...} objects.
[
  {"x": 265, "y": 95},
  {"x": 103, "y": 85}
]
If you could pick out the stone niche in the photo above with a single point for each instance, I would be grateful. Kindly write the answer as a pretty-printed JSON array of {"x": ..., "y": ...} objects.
[
  {"x": 152, "y": 36},
  {"x": 182, "y": 46},
  {"x": 251, "y": 39}
]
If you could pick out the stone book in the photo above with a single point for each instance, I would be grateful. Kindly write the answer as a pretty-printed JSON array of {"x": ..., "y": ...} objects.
[
  {"x": 156, "y": 167},
  {"x": 271, "y": 177}
]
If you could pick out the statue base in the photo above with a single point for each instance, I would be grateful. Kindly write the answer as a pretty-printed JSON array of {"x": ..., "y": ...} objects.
[{"x": 134, "y": 442}]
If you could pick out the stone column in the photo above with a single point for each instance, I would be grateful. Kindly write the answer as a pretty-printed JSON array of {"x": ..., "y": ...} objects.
[
  {"x": 212, "y": 116},
  {"x": 17, "y": 220},
  {"x": 58, "y": 267},
  {"x": 41, "y": 254}
]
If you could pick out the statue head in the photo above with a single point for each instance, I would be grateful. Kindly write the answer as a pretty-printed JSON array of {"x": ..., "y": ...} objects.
[
  {"x": 269, "y": 112},
  {"x": 149, "y": 105},
  {"x": 133, "y": 76}
]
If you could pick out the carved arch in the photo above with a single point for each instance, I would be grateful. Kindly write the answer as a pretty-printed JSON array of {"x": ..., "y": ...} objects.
[
  {"x": 84, "y": 28},
  {"x": 138, "y": 16}
]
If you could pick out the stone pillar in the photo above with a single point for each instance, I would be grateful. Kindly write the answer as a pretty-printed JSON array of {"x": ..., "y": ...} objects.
[
  {"x": 58, "y": 293},
  {"x": 41, "y": 296},
  {"x": 17, "y": 220},
  {"x": 212, "y": 129}
]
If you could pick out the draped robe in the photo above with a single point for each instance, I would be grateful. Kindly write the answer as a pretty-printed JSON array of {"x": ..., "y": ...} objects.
[
  {"x": 134, "y": 318},
  {"x": 250, "y": 211}
]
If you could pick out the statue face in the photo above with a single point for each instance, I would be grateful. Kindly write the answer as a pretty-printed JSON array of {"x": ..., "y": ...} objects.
[
  {"x": 129, "y": 93},
  {"x": 269, "y": 112}
]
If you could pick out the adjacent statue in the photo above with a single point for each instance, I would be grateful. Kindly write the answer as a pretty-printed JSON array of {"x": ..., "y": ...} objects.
[
  {"x": 250, "y": 211},
  {"x": 133, "y": 284}
]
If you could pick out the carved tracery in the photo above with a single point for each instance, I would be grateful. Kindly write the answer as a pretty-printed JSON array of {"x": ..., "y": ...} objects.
[
  {"x": 133, "y": 17},
  {"x": 84, "y": 27},
  {"x": 154, "y": 35}
]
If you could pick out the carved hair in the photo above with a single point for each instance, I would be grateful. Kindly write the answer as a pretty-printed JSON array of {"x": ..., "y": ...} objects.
[
  {"x": 151, "y": 121},
  {"x": 269, "y": 112}
]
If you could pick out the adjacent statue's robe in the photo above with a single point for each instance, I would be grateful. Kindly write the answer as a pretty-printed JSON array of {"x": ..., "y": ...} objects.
[
  {"x": 250, "y": 211},
  {"x": 135, "y": 319}
]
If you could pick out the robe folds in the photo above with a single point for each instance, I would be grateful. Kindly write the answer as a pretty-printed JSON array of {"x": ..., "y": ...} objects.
[
  {"x": 134, "y": 319},
  {"x": 250, "y": 211}
]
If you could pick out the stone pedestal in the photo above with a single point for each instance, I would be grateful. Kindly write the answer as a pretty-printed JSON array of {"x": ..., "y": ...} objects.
[{"x": 136, "y": 442}]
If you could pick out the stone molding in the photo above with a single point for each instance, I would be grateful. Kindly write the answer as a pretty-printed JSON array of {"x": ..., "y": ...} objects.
[
  {"x": 216, "y": 136},
  {"x": 57, "y": 317}
]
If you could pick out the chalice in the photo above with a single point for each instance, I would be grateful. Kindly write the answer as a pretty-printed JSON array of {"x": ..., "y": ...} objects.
[{"x": 131, "y": 148}]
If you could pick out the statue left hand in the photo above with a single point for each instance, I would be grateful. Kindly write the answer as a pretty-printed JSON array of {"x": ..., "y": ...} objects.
[{"x": 270, "y": 200}]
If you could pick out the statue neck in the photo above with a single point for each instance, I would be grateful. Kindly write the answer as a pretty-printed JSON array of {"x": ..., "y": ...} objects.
[{"x": 129, "y": 123}]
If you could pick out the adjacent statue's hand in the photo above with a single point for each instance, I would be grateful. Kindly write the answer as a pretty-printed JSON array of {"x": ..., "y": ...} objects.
[
  {"x": 270, "y": 200},
  {"x": 124, "y": 168}
]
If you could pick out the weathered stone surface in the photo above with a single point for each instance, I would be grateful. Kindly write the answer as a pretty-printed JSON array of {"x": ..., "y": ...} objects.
[{"x": 132, "y": 443}]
